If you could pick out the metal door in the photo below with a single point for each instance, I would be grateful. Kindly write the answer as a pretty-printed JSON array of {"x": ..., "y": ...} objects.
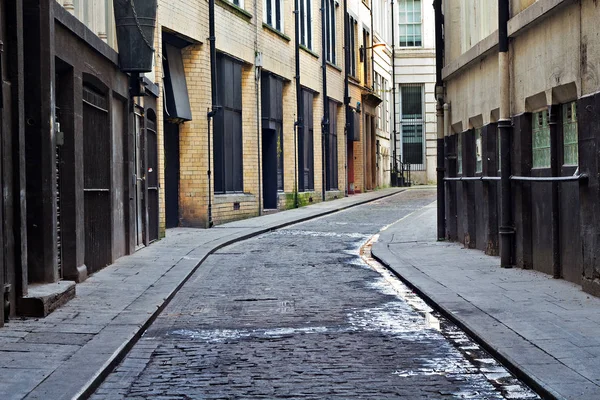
[
  {"x": 139, "y": 181},
  {"x": 151, "y": 170},
  {"x": 171, "y": 174},
  {"x": 269, "y": 168}
]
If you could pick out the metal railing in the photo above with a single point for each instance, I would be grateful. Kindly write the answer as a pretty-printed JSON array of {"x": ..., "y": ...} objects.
[{"x": 403, "y": 173}]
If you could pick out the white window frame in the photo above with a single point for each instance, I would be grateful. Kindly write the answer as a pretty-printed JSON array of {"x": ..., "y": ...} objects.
[
  {"x": 420, "y": 121},
  {"x": 400, "y": 24},
  {"x": 240, "y": 3},
  {"x": 306, "y": 12},
  {"x": 275, "y": 24},
  {"x": 330, "y": 31}
]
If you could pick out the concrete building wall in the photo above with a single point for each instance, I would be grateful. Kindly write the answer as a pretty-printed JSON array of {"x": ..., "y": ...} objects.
[{"x": 553, "y": 58}]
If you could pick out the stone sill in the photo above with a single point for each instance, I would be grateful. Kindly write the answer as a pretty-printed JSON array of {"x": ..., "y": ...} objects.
[
  {"x": 223, "y": 198},
  {"x": 534, "y": 14},
  {"x": 275, "y": 31},
  {"x": 309, "y": 51},
  {"x": 235, "y": 9},
  {"x": 332, "y": 65}
]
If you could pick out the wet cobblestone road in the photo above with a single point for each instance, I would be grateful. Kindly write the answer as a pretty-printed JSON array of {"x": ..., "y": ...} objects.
[{"x": 298, "y": 313}]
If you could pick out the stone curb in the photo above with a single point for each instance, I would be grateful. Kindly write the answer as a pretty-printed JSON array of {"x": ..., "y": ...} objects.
[
  {"x": 91, "y": 385},
  {"x": 381, "y": 253}
]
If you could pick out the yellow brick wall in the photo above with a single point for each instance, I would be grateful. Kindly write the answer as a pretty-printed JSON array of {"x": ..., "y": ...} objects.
[{"x": 241, "y": 36}]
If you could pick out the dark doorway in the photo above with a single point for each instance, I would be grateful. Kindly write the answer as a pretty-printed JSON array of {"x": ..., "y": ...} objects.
[
  {"x": 269, "y": 168},
  {"x": 272, "y": 138},
  {"x": 139, "y": 179},
  {"x": 171, "y": 174},
  {"x": 152, "y": 174},
  {"x": 96, "y": 176}
]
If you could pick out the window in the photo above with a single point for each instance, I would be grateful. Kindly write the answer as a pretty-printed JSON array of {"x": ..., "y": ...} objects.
[
  {"x": 273, "y": 15},
  {"x": 410, "y": 23},
  {"x": 378, "y": 83},
  {"x": 381, "y": 21},
  {"x": 478, "y": 150},
  {"x": 239, "y": 3},
  {"x": 306, "y": 147},
  {"x": 228, "y": 127},
  {"x": 499, "y": 150},
  {"x": 332, "y": 149},
  {"x": 569, "y": 122},
  {"x": 364, "y": 57},
  {"x": 541, "y": 140},
  {"x": 329, "y": 29},
  {"x": 459, "y": 156},
  {"x": 352, "y": 43},
  {"x": 305, "y": 24},
  {"x": 412, "y": 123},
  {"x": 385, "y": 104}
]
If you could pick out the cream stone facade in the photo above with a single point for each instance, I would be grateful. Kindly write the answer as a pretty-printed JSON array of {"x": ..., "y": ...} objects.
[
  {"x": 415, "y": 68},
  {"x": 552, "y": 85}
]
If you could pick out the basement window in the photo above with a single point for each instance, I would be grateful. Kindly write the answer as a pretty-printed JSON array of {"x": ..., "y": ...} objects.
[
  {"x": 569, "y": 122},
  {"x": 541, "y": 140},
  {"x": 478, "y": 151}
]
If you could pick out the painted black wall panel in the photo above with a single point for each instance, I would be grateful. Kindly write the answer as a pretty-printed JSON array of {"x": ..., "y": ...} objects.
[
  {"x": 570, "y": 238},
  {"x": 451, "y": 206},
  {"x": 541, "y": 218},
  {"x": 470, "y": 203},
  {"x": 481, "y": 225},
  {"x": 490, "y": 188},
  {"x": 521, "y": 165}
]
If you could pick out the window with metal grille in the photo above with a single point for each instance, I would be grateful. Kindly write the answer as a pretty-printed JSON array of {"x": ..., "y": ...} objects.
[
  {"x": 329, "y": 29},
  {"x": 478, "y": 150},
  {"x": 272, "y": 13},
  {"x": 410, "y": 23},
  {"x": 412, "y": 124},
  {"x": 306, "y": 24},
  {"x": 352, "y": 43},
  {"x": 569, "y": 122},
  {"x": 227, "y": 152},
  {"x": 332, "y": 148},
  {"x": 541, "y": 139}
]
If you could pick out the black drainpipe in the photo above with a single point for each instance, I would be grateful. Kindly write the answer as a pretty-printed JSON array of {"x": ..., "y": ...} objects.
[
  {"x": 346, "y": 90},
  {"x": 299, "y": 125},
  {"x": 439, "y": 91},
  {"x": 505, "y": 130},
  {"x": 394, "y": 178},
  {"x": 325, "y": 121},
  {"x": 215, "y": 99}
]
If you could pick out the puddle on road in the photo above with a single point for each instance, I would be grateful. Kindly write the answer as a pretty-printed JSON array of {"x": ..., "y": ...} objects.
[{"x": 472, "y": 358}]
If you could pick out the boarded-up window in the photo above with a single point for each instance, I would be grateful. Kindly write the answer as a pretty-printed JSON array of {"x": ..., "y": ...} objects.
[
  {"x": 306, "y": 157},
  {"x": 332, "y": 149},
  {"x": 541, "y": 140},
  {"x": 569, "y": 120},
  {"x": 228, "y": 127}
]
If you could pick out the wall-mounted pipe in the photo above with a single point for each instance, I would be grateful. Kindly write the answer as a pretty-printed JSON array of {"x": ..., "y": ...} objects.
[
  {"x": 325, "y": 120},
  {"x": 394, "y": 178},
  {"x": 298, "y": 125},
  {"x": 214, "y": 98},
  {"x": 439, "y": 93},
  {"x": 346, "y": 91},
  {"x": 507, "y": 229}
]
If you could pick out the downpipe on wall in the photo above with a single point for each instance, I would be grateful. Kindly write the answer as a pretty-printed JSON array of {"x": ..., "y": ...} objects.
[
  {"x": 439, "y": 94},
  {"x": 214, "y": 97},
  {"x": 346, "y": 92},
  {"x": 257, "y": 83},
  {"x": 325, "y": 120},
  {"x": 507, "y": 230},
  {"x": 298, "y": 125},
  {"x": 394, "y": 177}
]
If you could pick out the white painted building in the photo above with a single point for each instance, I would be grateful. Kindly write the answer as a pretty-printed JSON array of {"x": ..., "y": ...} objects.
[{"x": 414, "y": 31}]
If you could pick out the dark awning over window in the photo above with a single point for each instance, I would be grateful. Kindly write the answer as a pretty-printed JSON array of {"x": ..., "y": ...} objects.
[
  {"x": 177, "y": 101},
  {"x": 353, "y": 124}
]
